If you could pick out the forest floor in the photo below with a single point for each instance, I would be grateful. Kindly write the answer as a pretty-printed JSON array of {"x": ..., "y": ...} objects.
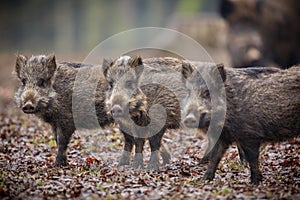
[{"x": 27, "y": 171}]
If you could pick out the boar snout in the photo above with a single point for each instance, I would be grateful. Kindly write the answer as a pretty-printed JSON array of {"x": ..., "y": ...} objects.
[
  {"x": 28, "y": 108},
  {"x": 190, "y": 121},
  {"x": 117, "y": 111}
]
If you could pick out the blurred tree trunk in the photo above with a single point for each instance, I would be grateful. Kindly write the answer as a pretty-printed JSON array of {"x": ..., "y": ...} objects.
[{"x": 64, "y": 25}]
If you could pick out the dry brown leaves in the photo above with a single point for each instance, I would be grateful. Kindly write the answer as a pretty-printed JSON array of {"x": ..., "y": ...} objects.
[{"x": 28, "y": 149}]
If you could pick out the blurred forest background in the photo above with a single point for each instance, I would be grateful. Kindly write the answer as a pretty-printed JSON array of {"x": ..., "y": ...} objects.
[
  {"x": 72, "y": 28},
  {"x": 77, "y": 25}
]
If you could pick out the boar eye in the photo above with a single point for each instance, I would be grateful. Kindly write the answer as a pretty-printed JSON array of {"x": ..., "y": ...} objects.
[
  {"x": 130, "y": 84},
  {"x": 110, "y": 84},
  {"x": 23, "y": 81},
  {"x": 205, "y": 93},
  {"x": 42, "y": 83}
]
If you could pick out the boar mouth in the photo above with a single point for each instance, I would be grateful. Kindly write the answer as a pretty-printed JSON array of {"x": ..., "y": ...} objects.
[
  {"x": 30, "y": 111},
  {"x": 195, "y": 121}
]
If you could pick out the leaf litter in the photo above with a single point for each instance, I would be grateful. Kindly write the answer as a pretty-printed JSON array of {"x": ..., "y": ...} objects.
[{"x": 27, "y": 170}]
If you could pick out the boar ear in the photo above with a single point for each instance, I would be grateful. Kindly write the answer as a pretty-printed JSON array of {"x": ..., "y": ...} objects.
[
  {"x": 106, "y": 64},
  {"x": 138, "y": 66},
  {"x": 259, "y": 6},
  {"x": 220, "y": 69},
  {"x": 51, "y": 63},
  {"x": 136, "y": 62},
  {"x": 186, "y": 70},
  {"x": 226, "y": 8},
  {"x": 20, "y": 62}
]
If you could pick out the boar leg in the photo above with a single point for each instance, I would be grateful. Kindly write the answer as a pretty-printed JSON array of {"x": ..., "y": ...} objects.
[
  {"x": 241, "y": 154},
  {"x": 251, "y": 150},
  {"x": 128, "y": 144},
  {"x": 62, "y": 139},
  {"x": 205, "y": 159},
  {"x": 206, "y": 156},
  {"x": 207, "y": 152},
  {"x": 138, "y": 157},
  {"x": 165, "y": 155},
  {"x": 215, "y": 156},
  {"x": 155, "y": 143}
]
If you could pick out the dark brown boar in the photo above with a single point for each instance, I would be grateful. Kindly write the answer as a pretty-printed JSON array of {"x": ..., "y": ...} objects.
[
  {"x": 245, "y": 46},
  {"x": 47, "y": 91},
  {"x": 262, "y": 106},
  {"x": 262, "y": 32},
  {"x": 137, "y": 87},
  {"x": 191, "y": 115},
  {"x": 244, "y": 41}
]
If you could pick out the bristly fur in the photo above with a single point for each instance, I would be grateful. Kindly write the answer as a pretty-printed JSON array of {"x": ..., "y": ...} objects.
[
  {"x": 138, "y": 109},
  {"x": 258, "y": 33},
  {"x": 47, "y": 87},
  {"x": 262, "y": 105},
  {"x": 136, "y": 86}
]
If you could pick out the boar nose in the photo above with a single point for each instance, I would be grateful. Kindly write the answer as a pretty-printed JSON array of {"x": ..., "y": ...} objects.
[
  {"x": 253, "y": 55},
  {"x": 28, "y": 108},
  {"x": 117, "y": 111},
  {"x": 190, "y": 121}
]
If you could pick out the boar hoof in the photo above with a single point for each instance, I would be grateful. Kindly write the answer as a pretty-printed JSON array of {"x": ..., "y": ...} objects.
[
  {"x": 138, "y": 161},
  {"x": 123, "y": 162},
  {"x": 154, "y": 161},
  {"x": 204, "y": 160},
  {"x": 61, "y": 162},
  {"x": 208, "y": 176},
  {"x": 256, "y": 178},
  {"x": 166, "y": 158},
  {"x": 153, "y": 166},
  {"x": 125, "y": 158}
]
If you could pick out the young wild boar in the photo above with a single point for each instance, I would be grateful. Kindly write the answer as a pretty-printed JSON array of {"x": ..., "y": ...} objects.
[
  {"x": 47, "y": 91},
  {"x": 262, "y": 105},
  {"x": 192, "y": 104},
  {"x": 144, "y": 101}
]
